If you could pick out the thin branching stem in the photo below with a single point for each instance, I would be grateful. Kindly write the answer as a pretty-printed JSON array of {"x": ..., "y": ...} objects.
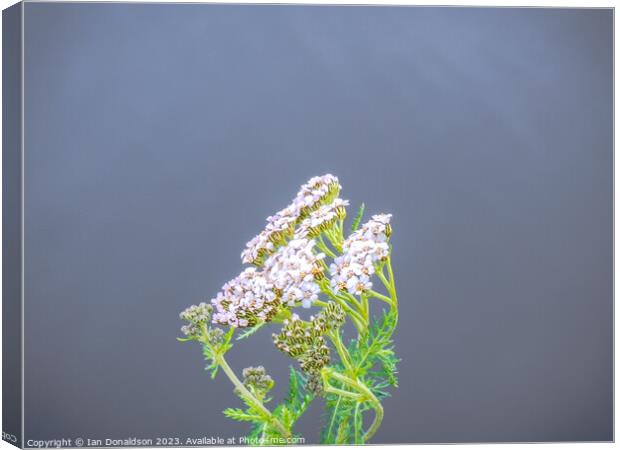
[
  {"x": 335, "y": 239},
  {"x": 342, "y": 351},
  {"x": 380, "y": 296},
  {"x": 365, "y": 394},
  {"x": 392, "y": 284},
  {"x": 320, "y": 243},
  {"x": 333, "y": 418},
  {"x": 221, "y": 361},
  {"x": 376, "y": 423}
]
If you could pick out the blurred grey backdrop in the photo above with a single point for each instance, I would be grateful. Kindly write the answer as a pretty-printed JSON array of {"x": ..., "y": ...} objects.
[{"x": 159, "y": 137}]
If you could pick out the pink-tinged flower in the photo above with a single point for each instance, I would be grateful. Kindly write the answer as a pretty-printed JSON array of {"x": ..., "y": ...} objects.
[
  {"x": 293, "y": 269},
  {"x": 245, "y": 300},
  {"x": 362, "y": 249},
  {"x": 281, "y": 226}
]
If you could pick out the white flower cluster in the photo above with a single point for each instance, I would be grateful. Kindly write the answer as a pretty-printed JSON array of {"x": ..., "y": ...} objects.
[
  {"x": 352, "y": 270},
  {"x": 245, "y": 300},
  {"x": 279, "y": 226},
  {"x": 288, "y": 277},
  {"x": 293, "y": 270},
  {"x": 316, "y": 192},
  {"x": 322, "y": 218}
]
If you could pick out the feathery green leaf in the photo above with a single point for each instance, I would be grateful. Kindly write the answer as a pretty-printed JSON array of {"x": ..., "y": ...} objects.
[
  {"x": 242, "y": 416},
  {"x": 358, "y": 217}
]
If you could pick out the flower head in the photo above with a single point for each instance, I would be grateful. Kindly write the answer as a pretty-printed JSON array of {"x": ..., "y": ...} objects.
[
  {"x": 257, "y": 248},
  {"x": 281, "y": 226},
  {"x": 316, "y": 192},
  {"x": 322, "y": 218},
  {"x": 352, "y": 270},
  {"x": 293, "y": 271},
  {"x": 246, "y": 300},
  {"x": 377, "y": 229}
]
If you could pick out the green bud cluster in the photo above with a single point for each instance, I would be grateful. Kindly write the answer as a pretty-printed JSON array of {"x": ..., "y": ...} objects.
[
  {"x": 314, "y": 383},
  {"x": 297, "y": 337},
  {"x": 305, "y": 341},
  {"x": 315, "y": 358},
  {"x": 257, "y": 380},
  {"x": 329, "y": 319},
  {"x": 198, "y": 318},
  {"x": 215, "y": 335}
]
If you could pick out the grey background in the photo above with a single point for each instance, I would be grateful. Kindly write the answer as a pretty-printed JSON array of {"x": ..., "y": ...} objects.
[{"x": 159, "y": 137}]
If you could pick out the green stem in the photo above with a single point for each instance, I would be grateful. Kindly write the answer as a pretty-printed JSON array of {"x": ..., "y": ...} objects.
[
  {"x": 392, "y": 289},
  {"x": 320, "y": 243},
  {"x": 249, "y": 397},
  {"x": 392, "y": 284},
  {"x": 323, "y": 265},
  {"x": 342, "y": 351},
  {"x": 341, "y": 230},
  {"x": 366, "y": 307},
  {"x": 342, "y": 393},
  {"x": 331, "y": 422},
  {"x": 349, "y": 298},
  {"x": 343, "y": 379},
  {"x": 376, "y": 404},
  {"x": 326, "y": 373},
  {"x": 382, "y": 297},
  {"x": 384, "y": 280},
  {"x": 356, "y": 424},
  {"x": 334, "y": 240},
  {"x": 366, "y": 394}
]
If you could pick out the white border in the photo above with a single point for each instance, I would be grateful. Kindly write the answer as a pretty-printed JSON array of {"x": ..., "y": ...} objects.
[
  {"x": 479, "y": 3},
  {"x": 23, "y": 222}
]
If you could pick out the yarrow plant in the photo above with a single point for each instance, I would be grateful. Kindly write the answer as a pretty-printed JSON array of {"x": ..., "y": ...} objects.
[{"x": 303, "y": 260}]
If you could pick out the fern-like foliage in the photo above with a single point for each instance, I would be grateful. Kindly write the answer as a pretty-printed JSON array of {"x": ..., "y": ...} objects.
[
  {"x": 376, "y": 347},
  {"x": 296, "y": 402},
  {"x": 374, "y": 361}
]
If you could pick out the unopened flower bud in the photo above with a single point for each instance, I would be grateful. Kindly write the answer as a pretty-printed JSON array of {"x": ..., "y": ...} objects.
[{"x": 257, "y": 379}]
